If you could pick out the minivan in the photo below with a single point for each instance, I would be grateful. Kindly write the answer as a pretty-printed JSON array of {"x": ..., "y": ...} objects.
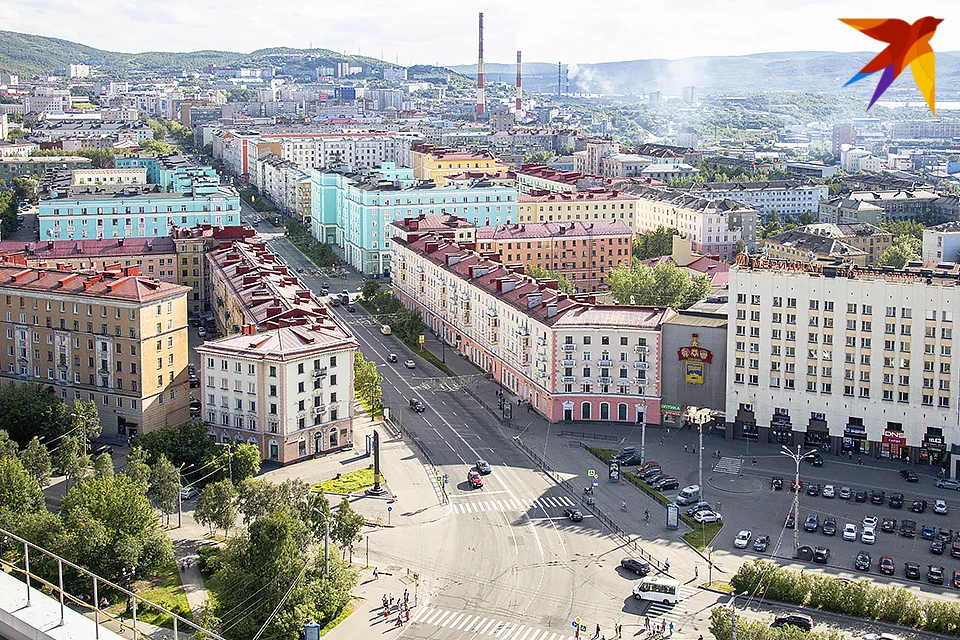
[{"x": 688, "y": 495}]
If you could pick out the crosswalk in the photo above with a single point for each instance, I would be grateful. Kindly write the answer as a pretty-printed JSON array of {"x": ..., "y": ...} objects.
[
  {"x": 480, "y": 625},
  {"x": 728, "y": 464},
  {"x": 510, "y": 504}
]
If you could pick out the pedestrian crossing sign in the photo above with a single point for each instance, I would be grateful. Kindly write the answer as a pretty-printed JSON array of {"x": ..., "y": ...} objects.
[{"x": 416, "y": 576}]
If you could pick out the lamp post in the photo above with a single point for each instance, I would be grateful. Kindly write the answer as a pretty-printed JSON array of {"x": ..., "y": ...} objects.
[
  {"x": 643, "y": 433},
  {"x": 796, "y": 457}
]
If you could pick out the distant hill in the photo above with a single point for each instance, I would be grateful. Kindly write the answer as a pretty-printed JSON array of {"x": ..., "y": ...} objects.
[
  {"x": 27, "y": 54},
  {"x": 809, "y": 71}
]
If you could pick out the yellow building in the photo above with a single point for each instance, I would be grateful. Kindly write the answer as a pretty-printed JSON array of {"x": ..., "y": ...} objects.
[
  {"x": 113, "y": 337},
  {"x": 592, "y": 204},
  {"x": 432, "y": 163}
]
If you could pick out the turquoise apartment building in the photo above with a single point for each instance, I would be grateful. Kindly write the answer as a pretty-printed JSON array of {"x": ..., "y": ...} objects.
[
  {"x": 354, "y": 210},
  {"x": 172, "y": 172}
]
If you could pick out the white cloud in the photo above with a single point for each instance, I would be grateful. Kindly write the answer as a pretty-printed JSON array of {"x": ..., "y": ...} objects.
[{"x": 446, "y": 32}]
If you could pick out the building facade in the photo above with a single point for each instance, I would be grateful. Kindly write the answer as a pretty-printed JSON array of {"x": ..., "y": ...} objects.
[
  {"x": 786, "y": 197},
  {"x": 855, "y": 360},
  {"x": 941, "y": 243},
  {"x": 17, "y": 166},
  {"x": 577, "y": 206},
  {"x": 432, "y": 163}
]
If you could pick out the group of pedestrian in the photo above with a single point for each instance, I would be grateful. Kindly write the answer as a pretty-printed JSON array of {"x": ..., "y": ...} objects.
[
  {"x": 658, "y": 627},
  {"x": 403, "y": 608}
]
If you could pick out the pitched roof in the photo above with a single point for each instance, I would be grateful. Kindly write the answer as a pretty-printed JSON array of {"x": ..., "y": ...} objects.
[{"x": 553, "y": 230}]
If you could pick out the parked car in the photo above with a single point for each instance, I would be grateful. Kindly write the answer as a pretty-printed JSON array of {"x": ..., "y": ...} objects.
[
  {"x": 417, "y": 405},
  {"x": 666, "y": 484},
  {"x": 796, "y": 485},
  {"x": 863, "y": 561},
  {"x": 483, "y": 467},
  {"x": 791, "y": 521},
  {"x": 638, "y": 565},
  {"x": 940, "y": 507},
  {"x": 888, "y": 525},
  {"x": 844, "y": 493},
  {"x": 870, "y": 521},
  {"x": 868, "y": 535},
  {"x": 474, "y": 479},
  {"x": 877, "y": 497},
  {"x": 194, "y": 382},
  {"x": 743, "y": 539},
  {"x": 651, "y": 471},
  {"x": 776, "y": 483},
  {"x": 956, "y": 578},
  {"x": 573, "y": 514},
  {"x": 813, "y": 490},
  {"x": 799, "y": 620},
  {"x": 351, "y": 307},
  {"x": 948, "y": 483},
  {"x": 936, "y": 548},
  {"x": 928, "y": 532},
  {"x": 821, "y": 555},
  {"x": 700, "y": 506},
  {"x": 706, "y": 517},
  {"x": 828, "y": 491},
  {"x": 918, "y": 506},
  {"x": 189, "y": 493},
  {"x": 934, "y": 574},
  {"x": 850, "y": 532},
  {"x": 761, "y": 543},
  {"x": 909, "y": 476},
  {"x": 812, "y": 523},
  {"x": 886, "y": 565},
  {"x": 816, "y": 460},
  {"x": 911, "y": 570},
  {"x": 626, "y": 452},
  {"x": 201, "y": 331},
  {"x": 861, "y": 496},
  {"x": 896, "y": 500},
  {"x": 908, "y": 528},
  {"x": 955, "y": 549},
  {"x": 945, "y": 535},
  {"x": 829, "y": 526},
  {"x": 384, "y": 328}
]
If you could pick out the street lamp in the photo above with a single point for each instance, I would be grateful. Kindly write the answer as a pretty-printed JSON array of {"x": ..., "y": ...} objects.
[
  {"x": 796, "y": 457},
  {"x": 643, "y": 433}
]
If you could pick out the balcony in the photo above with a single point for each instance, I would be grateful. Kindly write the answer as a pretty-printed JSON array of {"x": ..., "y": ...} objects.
[
  {"x": 319, "y": 373},
  {"x": 319, "y": 410},
  {"x": 642, "y": 365},
  {"x": 606, "y": 380},
  {"x": 606, "y": 362},
  {"x": 569, "y": 347},
  {"x": 568, "y": 363},
  {"x": 568, "y": 379},
  {"x": 641, "y": 349}
]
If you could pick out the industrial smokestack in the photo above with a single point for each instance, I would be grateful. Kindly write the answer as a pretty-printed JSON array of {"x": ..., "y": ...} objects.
[
  {"x": 481, "y": 105},
  {"x": 519, "y": 113},
  {"x": 559, "y": 67}
]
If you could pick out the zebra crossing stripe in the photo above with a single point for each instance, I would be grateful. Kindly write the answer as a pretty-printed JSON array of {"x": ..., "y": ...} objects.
[
  {"x": 443, "y": 617},
  {"x": 454, "y": 619},
  {"x": 515, "y": 633},
  {"x": 503, "y": 629},
  {"x": 465, "y": 621},
  {"x": 536, "y": 632},
  {"x": 420, "y": 614},
  {"x": 477, "y": 626},
  {"x": 438, "y": 613},
  {"x": 489, "y": 624}
]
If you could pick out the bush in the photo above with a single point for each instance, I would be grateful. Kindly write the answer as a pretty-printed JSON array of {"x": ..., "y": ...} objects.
[{"x": 209, "y": 559}]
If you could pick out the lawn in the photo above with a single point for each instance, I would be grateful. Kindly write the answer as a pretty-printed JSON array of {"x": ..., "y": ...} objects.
[
  {"x": 165, "y": 590},
  {"x": 702, "y": 535},
  {"x": 348, "y": 482}
]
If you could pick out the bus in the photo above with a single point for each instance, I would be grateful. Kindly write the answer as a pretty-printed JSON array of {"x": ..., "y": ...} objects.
[{"x": 658, "y": 590}]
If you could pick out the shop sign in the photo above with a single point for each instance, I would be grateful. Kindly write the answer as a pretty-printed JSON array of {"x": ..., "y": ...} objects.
[
  {"x": 670, "y": 407},
  {"x": 894, "y": 437},
  {"x": 855, "y": 431}
]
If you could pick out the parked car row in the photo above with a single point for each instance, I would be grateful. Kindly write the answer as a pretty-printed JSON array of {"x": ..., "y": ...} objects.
[{"x": 895, "y": 500}]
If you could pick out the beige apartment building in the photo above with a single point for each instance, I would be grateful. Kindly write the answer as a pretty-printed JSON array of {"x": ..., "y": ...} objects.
[
  {"x": 591, "y": 204},
  {"x": 114, "y": 337}
]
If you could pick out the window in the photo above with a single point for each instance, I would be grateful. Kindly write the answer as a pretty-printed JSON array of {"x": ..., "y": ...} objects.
[
  {"x": 777, "y": 301},
  {"x": 891, "y": 312},
  {"x": 944, "y": 402},
  {"x": 906, "y": 313},
  {"x": 851, "y": 308},
  {"x": 887, "y": 395},
  {"x": 828, "y": 305}
]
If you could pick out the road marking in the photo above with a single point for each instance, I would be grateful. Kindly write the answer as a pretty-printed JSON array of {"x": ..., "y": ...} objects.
[
  {"x": 515, "y": 634},
  {"x": 504, "y": 628},
  {"x": 465, "y": 621},
  {"x": 442, "y": 618},
  {"x": 477, "y": 626},
  {"x": 420, "y": 614},
  {"x": 528, "y": 633},
  {"x": 454, "y": 619},
  {"x": 489, "y": 624},
  {"x": 436, "y": 614}
]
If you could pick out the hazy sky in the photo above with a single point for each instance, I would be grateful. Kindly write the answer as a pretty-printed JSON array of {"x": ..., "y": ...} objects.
[{"x": 421, "y": 31}]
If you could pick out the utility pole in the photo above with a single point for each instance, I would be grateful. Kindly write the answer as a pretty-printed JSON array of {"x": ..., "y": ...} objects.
[{"x": 326, "y": 547}]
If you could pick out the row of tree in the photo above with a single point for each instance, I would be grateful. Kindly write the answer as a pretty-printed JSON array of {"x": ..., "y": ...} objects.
[
  {"x": 406, "y": 324},
  {"x": 665, "y": 285},
  {"x": 22, "y": 189},
  {"x": 366, "y": 384}
]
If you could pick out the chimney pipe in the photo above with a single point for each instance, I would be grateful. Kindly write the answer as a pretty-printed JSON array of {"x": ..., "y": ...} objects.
[
  {"x": 519, "y": 110},
  {"x": 481, "y": 104},
  {"x": 559, "y": 67}
]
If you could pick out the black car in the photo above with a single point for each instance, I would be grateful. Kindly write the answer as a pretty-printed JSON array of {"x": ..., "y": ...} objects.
[
  {"x": 799, "y": 620},
  {"x": 812, "y": 523},
  {"x": 911, "y": 570},
  {"x": 575, "y": 515},
  {"x": 790, "y": 521},
  {"x": 829, "y": 526},
  {"x": 194, "y": 382},
  {"x": 936, "y": 548},
  {"x": 631, "y": 461},
  {"x": 417, "y": 405},
  {"x": 888, "y": 525},
  {"x": 761, "y": 543},
  {"x": 908, "y": 528},
  {"x": 896, "y": 500},
  {"x": 918, "y": 506},
  {"x": 351, "y": 307},
  {"x": 909, "y": 476},
  {"x": 813, "y": 490},
  {"x": 638, "y": 565},
  {"x": 816, "y": 460},
  {"x": 877, "y": 497},
  {"x": 863, "y": 561},
  {"x": 666, "y": 483},
  {"x": 626, "y": 452},
  {"x": 777, "y": 483},
  {"x": 934, "y": 574},
  {"x": 654, "y": 477},
  {"x": 821, "y": 555},
  {"x": 651, "y": 472},
  {"x": 860, "y": 496},
  {"x": 804, "y": 553}
]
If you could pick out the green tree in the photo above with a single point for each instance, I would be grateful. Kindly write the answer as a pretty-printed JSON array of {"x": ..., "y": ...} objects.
[
  {"x": 903, "y": 250},
  {"x": 366, "y": 384},
  {"x": 24, "y": 189},
  {"x": 165, "y": 486},
  {"x": 36, "y": 460},
  {"x": 256, "y": 498},
  {"x": 31, "y": 409},
  {"x": 186, "y": 444},
  {"x": 665, "y": 285},
  {"x": 157, "y": 146},
  {"x": 20, "y": 492},
  {"x": 103, "y": 465},
  {"x": 8, "y": 448},
  {"x": 345, "y": 526},
  {"x": 904, "y": 228},
  {"x": 654, "y": 244},
  {"x": 69, "y": 461},
  {"x": 16, "y": 133},
  {"x": 563, "y": 283},
  {"x": 244, "y": 461},
  {"x": 85, "y": 422},
  {"x": 216, "y": 507},
  {"x": 137, "y": 468},
  {"x": 370, "y": 289}
]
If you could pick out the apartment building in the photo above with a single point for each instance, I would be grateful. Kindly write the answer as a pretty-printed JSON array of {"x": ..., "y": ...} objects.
[
  {"x": 941, "y": 243},
  {"x": 51, "y": 130},
  {"x": 786, "y": 197},
  {"x": 859, "y": 360},
  {"x": 585, "y": 252},
  {"x": 155, "y": 257},
  {"x": 591, "y": 204},
  {"x": 913, "y": 129},
  {"x": 432, "y": 162},
  {"x": 110, "y": 177},
  {"x": 567, "y": 358},
  {"x": 279, "y": 180},
  {"x": 113, "y": 337},
  {"x": 287, "y": 390},
  {"x": 803, "y": 246},
  {"x": 540, "y": 177},
  {"x": 132, "y": 212},
  {"x": 17, "y": 166},
  {"x": 714, "y": 227},
  {"x": 869, "y": 238},
  {"x": 354, "y": 210}
]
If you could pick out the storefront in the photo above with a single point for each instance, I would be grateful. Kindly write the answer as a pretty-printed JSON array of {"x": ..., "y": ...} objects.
[
  {"x": 670, "y": 414},
  {"x": 781, "y": 429},
  {"x": 817, "y": 435},
  {"x": 855, "y": 437},
  {"x": 932, "y": 450},
  {"x": 893, "y": 444},
  {"x": 746, "y": 423}
]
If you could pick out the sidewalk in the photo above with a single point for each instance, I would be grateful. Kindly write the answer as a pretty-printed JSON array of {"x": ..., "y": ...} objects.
[{"x": 367, "y": 617}]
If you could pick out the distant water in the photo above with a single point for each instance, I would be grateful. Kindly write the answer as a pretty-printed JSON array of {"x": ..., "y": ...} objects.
[{"x": 940, "y": 104}]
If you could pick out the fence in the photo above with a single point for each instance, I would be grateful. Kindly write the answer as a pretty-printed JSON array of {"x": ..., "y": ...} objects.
[
  {"x": 439, "y": 486},
  {"x": 596, "y": 511},
  {"x": 590, "y": 436}
]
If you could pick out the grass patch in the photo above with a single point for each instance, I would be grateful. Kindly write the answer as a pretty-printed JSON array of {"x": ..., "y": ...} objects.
[
  {"x": 344, "y": 614},
  {"x": 165, "y": 590},
  {"x": 702, "y": 535},
  {"x": 603, "y": 454},
  {"x": 720, "y": 585},
  {"x": 348, "y": 482}
]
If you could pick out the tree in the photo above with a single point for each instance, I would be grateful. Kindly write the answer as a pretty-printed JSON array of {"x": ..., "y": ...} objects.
[
  {"x": 244, "y": 461},
  {"x": 165, "y": 487},
  {"x": 366, "y": 384},
  {"x": 36, "y": 460},
  {"x": 69, "y": 461},
  {"x": 216, "y": 508},
  {"x": 256, "y": 498},
  {"x": 903, "y": 250},
  {"x": 902, "y": 228},
  {"x": 186, "y": 444},
  {"x": 85, "y": 421},
  {"x": 563, "y": 283},
  {"x": 654, "y": 244},
  {"x": 137, "y": 468},
  {"x": 665, "y": 285},
  {"x": 345, "y": 526},
  {"x": 8, "y": 448},
  {"x": 157, "y": 146},
  {"x": 103, "y": 465},
  {"x": 20, "y": 492},
  {"x": 31, "y": 409},
  {"x": 370, "y": 289},
  {"x": 24, "y": 189}
]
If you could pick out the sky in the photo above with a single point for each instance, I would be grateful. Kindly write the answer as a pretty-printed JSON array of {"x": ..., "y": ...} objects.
[{"x": 445, "y": 32}]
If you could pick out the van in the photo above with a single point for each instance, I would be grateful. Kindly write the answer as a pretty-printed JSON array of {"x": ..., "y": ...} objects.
[
  {"x": 688, "y": 495},
  {"x": 385, "y": 329}
]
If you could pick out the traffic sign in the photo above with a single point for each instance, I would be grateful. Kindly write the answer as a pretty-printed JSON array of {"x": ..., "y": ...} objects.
[
  {"x": 389, "y": 509},
  {"x": 591, "y": 473},
  {"x": 416, "y": 577},
  {"x": 421, "y": 338},
  {"x": 577, "y": 619},
  {"x": 439, "y": 479},
  {"x": 574, "y": 624},
  {"x": 583, "y": 628}
]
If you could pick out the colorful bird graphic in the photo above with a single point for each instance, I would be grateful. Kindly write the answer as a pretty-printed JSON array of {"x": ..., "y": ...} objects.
[{"x": 908, "y": 44}]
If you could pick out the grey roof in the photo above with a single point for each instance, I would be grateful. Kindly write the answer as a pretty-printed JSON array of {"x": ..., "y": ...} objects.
[
  {"x": 815, "y": 243},
  {"x": 830, "y": 230}
]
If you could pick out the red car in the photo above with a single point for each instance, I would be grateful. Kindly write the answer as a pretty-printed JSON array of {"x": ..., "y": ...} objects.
[
  {"x": 796, "y": 485},
  {"x": 956, "y": 578},
  {"x": 886, "y": 565},
  {"x": 474, "y": 479}
]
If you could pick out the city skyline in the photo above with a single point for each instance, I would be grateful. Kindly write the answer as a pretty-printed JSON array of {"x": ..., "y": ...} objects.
[{"x": 446, "y": 35}]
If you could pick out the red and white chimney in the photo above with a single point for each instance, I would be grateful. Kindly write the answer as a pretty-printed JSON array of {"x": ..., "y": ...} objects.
[
  {"x": 481, "y": 104},
  {"x": 518, "y": 115}
]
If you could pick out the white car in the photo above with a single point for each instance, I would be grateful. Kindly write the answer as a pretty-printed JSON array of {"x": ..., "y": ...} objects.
[
  {"x": 867, "y": 536},
  {"x": 188, "y": 493},
  {"x": 742, "y": 539},
  {"x": 706, "y": 517},
  {"x": 828, "y": 491},
  {"x": 940, "y": 506},
  {"x": 850, "y": 531},
  {"x": 870, "y": 521}
]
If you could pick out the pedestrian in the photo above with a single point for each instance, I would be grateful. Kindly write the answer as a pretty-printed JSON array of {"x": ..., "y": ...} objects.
[
  {"x": 406, "y": 596},
  {"x": 391, "y": 600},
  {"x": 376, "y": 574},
  {"x": 701, "y": 637},
  {"x": 597, "y": 634},
  {"x": 694, "y": 449},
  {"x": 407, "y": 611},
  {"x": 576, "y": 633},
  {"x": 384, "y": 601},
  {"x": 386, "y": 613},
  {"x": 671, "y": 629},
  {"x": 684, "y": 448},
  {"x": 399, "y": 619},
  {"x": 696, "y": 572},
  {"x": 646, "y": 623}
]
